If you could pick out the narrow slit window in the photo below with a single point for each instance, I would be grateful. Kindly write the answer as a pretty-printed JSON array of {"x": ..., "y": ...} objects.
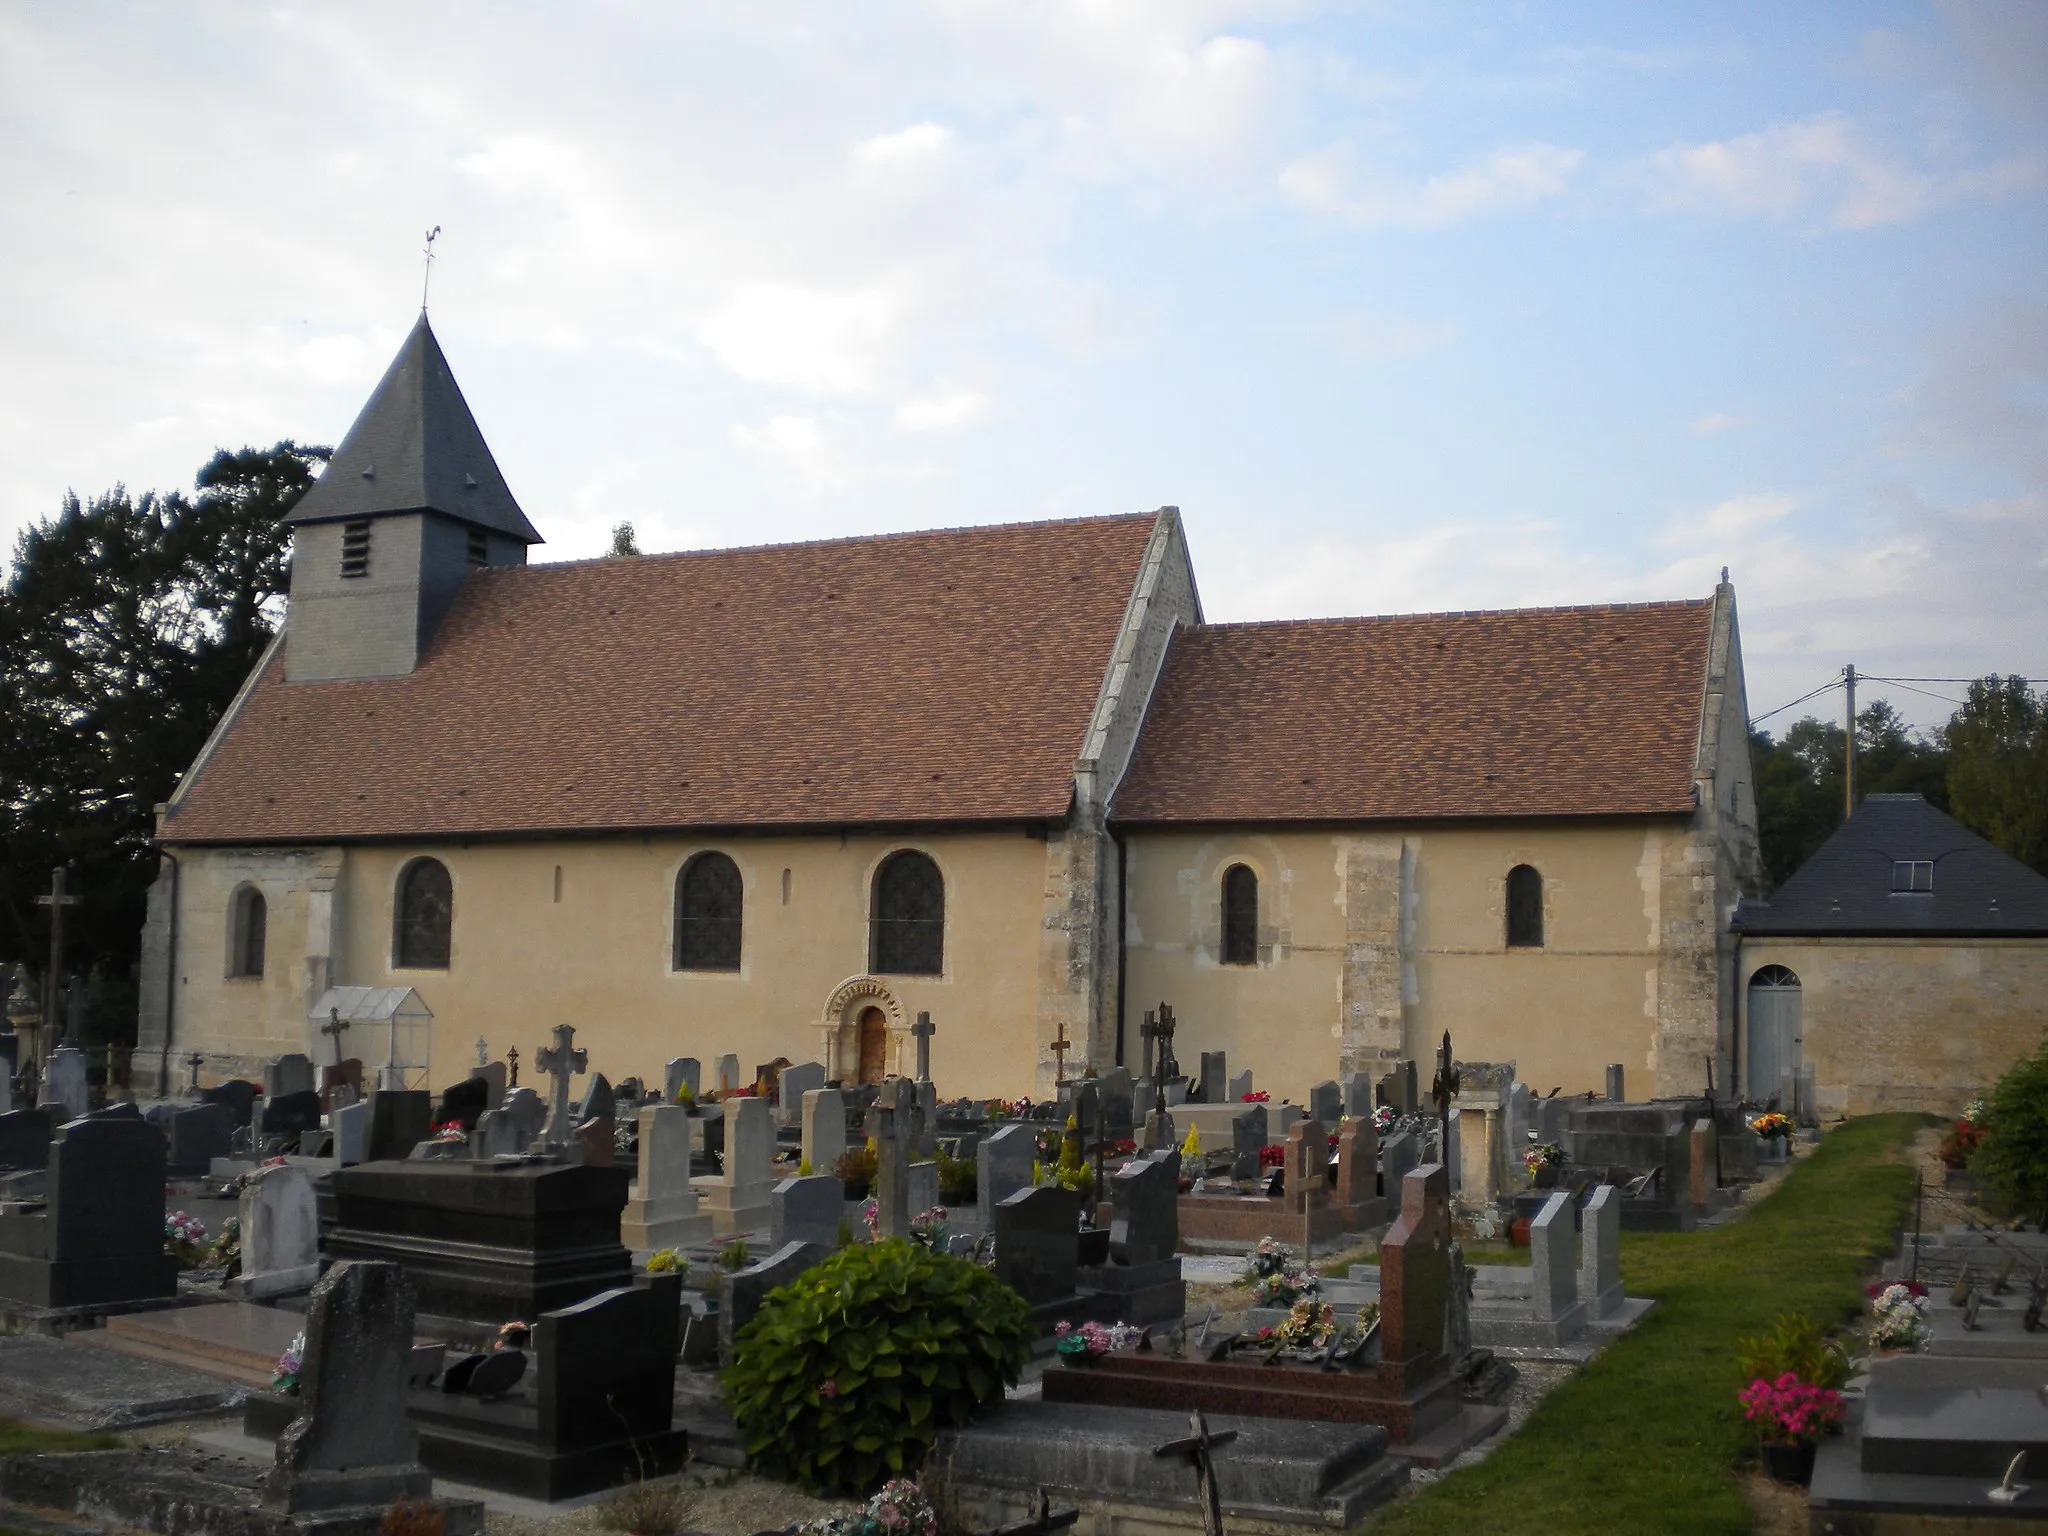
[
  {"x": 1525, "y": 908},
  {"x": 1912, "y": 876},
  {"x": 1240, "y": 916},
  {"x": 479, "y": 547},
  {"x": 355, "y": 549},
  {"x": 247, "y": 920}
]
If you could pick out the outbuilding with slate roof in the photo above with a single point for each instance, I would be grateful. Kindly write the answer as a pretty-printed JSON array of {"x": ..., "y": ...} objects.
[
  {"x": 775, "y": 802},
  {"x": 1906, "y": 963}
]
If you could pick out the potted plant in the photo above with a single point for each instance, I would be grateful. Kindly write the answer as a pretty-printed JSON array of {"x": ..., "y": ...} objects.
[
  {"x": 856, "y": 1169},
  {"x": 1544, "y": 1161},
  {"x": 1791, "y": 1415}
]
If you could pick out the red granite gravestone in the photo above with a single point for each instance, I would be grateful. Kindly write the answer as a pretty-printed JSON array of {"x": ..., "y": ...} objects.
[
  {"x": 1415, "y": 1280},
  {"x": 1358, "y": 1171},
  {"x": 1308, "y": 1166}
]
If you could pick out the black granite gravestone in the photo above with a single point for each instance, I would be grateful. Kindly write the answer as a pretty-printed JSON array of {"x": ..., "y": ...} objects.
[
  {"x": 463, "y": 1103},
  {"x": 290, "y": 1114},
  {"x": 400, "y": 1119},
  {"x": 740, "y": 1292},
  {"x": 1038, "y": 1241},
  {"x": 237, "y": 1096},
  {"x": 98, "y": 1239},
  {"x": 25, "y": 1136},
  {"x": 1146, "y": 1193},
  {"x": 198, "y": 1134}
]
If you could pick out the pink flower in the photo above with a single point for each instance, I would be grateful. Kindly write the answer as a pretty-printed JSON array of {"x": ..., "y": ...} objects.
[{"x": 830, "y": 1388}]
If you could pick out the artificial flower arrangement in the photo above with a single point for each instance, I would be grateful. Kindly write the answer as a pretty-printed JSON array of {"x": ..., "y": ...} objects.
[
  {"x": 929, "y": 1228},
  {"x": 1772, "y": 1125},
  {"x": 1309, "y": 1325},
  {"x": 1383, "y": 1119},
  {"x": 1277, "y": 1280},
  {"x": 1091, "y": 1341},
  {"x": 664, "y": 1261},
  {"x": 900, "y": 1508},
  {"x": 1124, "y": 1146},
  {"x": 1009, "y": 1109},
  {"x": 450, "y": 1131},
  {"x": 1273, "y": 1157},
  {"x": 1545, "y": 1154},
  {"x": 185, "y": 1238},
  {"x": 1900, "y": 1317},
  {"x": 1191, "y": 1144},
  {"x": 284, "y": 1376},
  {"x": 1257, "y": 1096},
  {"x": 1959, "y": 1142}
]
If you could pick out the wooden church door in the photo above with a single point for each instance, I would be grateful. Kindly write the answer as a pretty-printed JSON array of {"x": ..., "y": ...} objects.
[{"x": 874, "y": 1045}]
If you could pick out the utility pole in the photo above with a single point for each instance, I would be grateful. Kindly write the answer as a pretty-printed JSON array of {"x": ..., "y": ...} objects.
[{"x": 1849, "y": 778}]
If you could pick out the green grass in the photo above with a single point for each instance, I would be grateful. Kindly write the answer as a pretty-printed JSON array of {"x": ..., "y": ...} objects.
[
  {"x": 1647, "y": 1437},
  {"x": 17, "y": 1438}
]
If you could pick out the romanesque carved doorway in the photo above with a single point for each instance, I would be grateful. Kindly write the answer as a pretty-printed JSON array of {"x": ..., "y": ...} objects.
[{"x": 874, "y": 1045}]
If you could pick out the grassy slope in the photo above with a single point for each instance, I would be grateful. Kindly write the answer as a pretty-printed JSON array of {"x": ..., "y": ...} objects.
[{"x": 1646, "y": 1437}]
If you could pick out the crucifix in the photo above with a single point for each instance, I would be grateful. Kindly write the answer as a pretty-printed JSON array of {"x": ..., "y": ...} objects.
[
  {"x": 1165, "y": 1066},
  {"x": 332, "y": 1029},
  {"x": 53, "y": 992},
  {"x": 192, "y": 1065},
  {"x": 922, "y": 1031},
  {"x": 1198, "y": 1449},
  {"x": 1060, "y": 1046},
  {"x": 512, "y": 1067},
  {"x": 1148, "y": 1032},
  {"x": 559, "y": 1061},
  {"x": 1443, "y": 1089},
  {"x": 483, "y": 1051}
]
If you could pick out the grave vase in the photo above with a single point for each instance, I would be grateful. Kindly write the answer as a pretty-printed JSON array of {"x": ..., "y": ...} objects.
[
  {"x": 1545, "y": 1177},
  {"x": 1789, "y": 1463},
  {"x": 1094, "y": 1246}
]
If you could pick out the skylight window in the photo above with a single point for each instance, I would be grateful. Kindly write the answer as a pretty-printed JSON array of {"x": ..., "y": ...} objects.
[{"x": 1912, "y": 876}]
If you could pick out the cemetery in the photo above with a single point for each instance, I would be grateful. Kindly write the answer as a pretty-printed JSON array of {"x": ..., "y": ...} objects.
[{"x": 554, "y": 1291}]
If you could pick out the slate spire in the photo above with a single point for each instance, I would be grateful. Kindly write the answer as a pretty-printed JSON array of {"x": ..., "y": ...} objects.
[{"x": 415, "y": 448}]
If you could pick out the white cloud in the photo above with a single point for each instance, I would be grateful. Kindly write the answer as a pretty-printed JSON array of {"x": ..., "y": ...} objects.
[
  {"x": 1736, "y": 515},
  {"x": 1712, "y": 423},
  {"x": 943, "y": 412},
  {"x": 821, "y": 342},
  {"x": 917, "y": 144},
  {"x": 1329, "y": 182},
  {"x": 1826, "y": 161},
  {"x": 796, "y": 438}
]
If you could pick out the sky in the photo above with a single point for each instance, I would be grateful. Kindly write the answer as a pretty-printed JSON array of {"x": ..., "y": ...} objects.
[{"x": 1406, "y": 307}]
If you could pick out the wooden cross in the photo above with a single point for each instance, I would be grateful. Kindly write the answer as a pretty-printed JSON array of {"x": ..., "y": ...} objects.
[
  {"x": 922, "y": 1031},
  {"x": 1060, "y": 1046},
  {"x": 1198, "y": 1449},
  {"x": 559, "y": 1061},
  {"x": 56, "y": 901}
]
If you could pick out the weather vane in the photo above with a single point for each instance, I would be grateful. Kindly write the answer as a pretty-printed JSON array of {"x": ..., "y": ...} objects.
[{"x": 428, "y": 274}]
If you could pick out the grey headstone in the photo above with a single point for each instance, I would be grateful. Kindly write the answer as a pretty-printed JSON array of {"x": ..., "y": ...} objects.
[
  {"x": 280, "y": 1233},
  {"x": 289, "y": 1073},
  {"x": 599, "y": 1102},
  {"x": 1600, "y": 1259},
  {"x": 924, "y": 1188},
  {"x": 1119, "y": 1103},
  {"x": 1004, "y": 1160},
  {"x": 749, "y": 1156},
  {"x": 824, "y": 1128},
  {"x": 727, "y": 1068},
  {"x": 1146, "y": 1196},
  {"x": 795, "y": 1082},
  {"x": 1326, "y": 1103},
  {"x": 400, "y": 1119},
  {"x": 1550, "y": 1121},
  {"x": 1240, "y": 1085},
  {"x": 1615, "y": 1093},
  {"x": 64, "y": 1081},
  {"x": 741, "y": 1291},
  {"x": 1215, "y": 1077},
  {"x": 890, "y": 1125},
  {"x": 1400, "y": 1155},
  {"x": 1159, "y": 1135},
  {"x": 1037, "y": 1242},
  {"x": 1357, "y": 1095},
  {"x": 683, "y": 1071},
  {"x": 807, "y": 1210},
  {"x": 352, "y": 1443},
  {"x": 351, "y": 1133},
  {"x": 1247, "y": 1141},
  {"x": 1553, "y": 1282}
]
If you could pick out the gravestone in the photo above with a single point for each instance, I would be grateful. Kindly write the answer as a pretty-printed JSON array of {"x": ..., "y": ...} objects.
[
  {"x": 1358, "y": 1171},
  {"x": 1145, "y": 1194},
  {"x": 661, "y": 1205},
  {"x": 198, "y": 1134},
  {"x": 595, "y": 1142},
  {"x": 463, "y": 1103},
  {"x": 492, "y": 1075},
  {"x": 400, "y": 1119},
  {"x": 1119, "y": 1104},
  {"x": 1550, "y": 1121},
  {"x": 741, "y": 1291},
  {"x": 64, "y": 1081},
  {"x": 599, "y": 1101},
  {"x": 25, "y": 1137},
  {"x": 98, "y": 1238},
  {"x": 1358, "y": 1103},
  {"x": 1308, "y": 1165},
  {"x": 1037, "y": 1243},
  {"x": 1703, "y": 1172},
  {"x": 1240, "y": 1085},
  {"x": 805, "y": 1077},
  {"x": 1600, "y": 1258},
  {"x": 352, "y": 1443},
  {"x": 1411, "y": 1090},
  {"x": 342, "y": 1083},
  {"x": 291, "y": 1115},
  {"x": 1004, "y": 1160},
  {"x": 683, "y": 1072},
  {"x": 289, "y": 1073},
  {"x": 824, "y": 1128},
  {"x": 1553, "y": 1276},
  {"x": 727, "y": 1074},
  {"x": 1159, "y": 1135},
  {"x": 1247, "y": 1141},
  {"x": 807, "y": 1210},
  {"x": 1615, "y": 1095},
  {"x": 1215, "y": 1077},
  {"x": 1326, "y": 1103},
  {"x": 924, "y": 1189},
  {"x": 513, "y": 1127},
  {"x": 351, "y": 1133},
  {"x": 237, "y": 1097},
  {"x": 737, "y": 1198},
  {"x": 890, "y": 1129},
  {"x": 1517, "y": 1134},
  {"x": 1415, "y": 1281},
  {"x": 280, "y": 1234}
]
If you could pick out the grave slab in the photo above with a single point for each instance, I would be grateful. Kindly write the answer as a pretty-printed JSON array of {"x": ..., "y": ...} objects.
[{"x": 65, "y": 1382}]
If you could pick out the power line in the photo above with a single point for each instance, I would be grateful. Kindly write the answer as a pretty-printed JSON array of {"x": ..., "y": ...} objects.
[
  {"x": 1873, "y": 677},
  {"x": 1923, "y": 692},
  {"x": 1833, "y": 682}
]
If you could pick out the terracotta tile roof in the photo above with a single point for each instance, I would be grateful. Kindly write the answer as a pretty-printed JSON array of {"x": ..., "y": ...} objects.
[
  {"x": 925, "y": 677},
  {"x": 1533, "y": 712}
]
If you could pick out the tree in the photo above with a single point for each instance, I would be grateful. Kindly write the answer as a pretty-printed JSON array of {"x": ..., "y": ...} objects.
[
  {"x": 623, "y": 542},
  {"x": 1998, "y": 767},
  {"x": 1799, "y": 781},
  {"x": 126, "y": 627}
]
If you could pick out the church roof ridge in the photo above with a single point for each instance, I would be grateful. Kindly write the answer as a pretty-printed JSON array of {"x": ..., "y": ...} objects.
[{"x": 1457, "y": 613}]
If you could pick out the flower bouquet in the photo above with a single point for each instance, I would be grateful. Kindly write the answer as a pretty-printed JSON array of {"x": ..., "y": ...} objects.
[
  {"x": 1082, "y": 1346},
  {"x": 1543, "y": 1162},
  {"x": 185, "y": 1239},
  {"x": 284, "y": 1376},
  {"x": 899, "y": 1508},
  {"x": 1772, "y": 1126},
  {"x": 1272, "y": 1157},
  {"x": 1383, "y": 1119},
  {"x": 1900, "y": 1317},
  {"x": 1960, "y": 1140},
  {"x": 1286, "y": 1288},
  {"x": 1791, "y": 1415},
  {"x": 1257, "y": 1096},
  {"x": 928, "y": 1228}
]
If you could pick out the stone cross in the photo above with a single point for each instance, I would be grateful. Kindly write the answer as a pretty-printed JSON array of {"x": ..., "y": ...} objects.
[
  {"x": 1444, "y": 1089},
  {"x": 1198, "y": 1450},
  {"x": 192, "y": 1064},
  {"x": 1060, "y": 1046},
  {"x": 483, "y": 1051},
  {"x": 559, "y": 1061},
  {"x": 922, "y": 1031},
  {"x": 56, "y": 901}
]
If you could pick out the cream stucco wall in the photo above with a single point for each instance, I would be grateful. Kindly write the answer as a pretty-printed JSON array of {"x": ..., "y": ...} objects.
[
  {"x": 1911, "y": 1024},
  {"x": 598, "y": 957},
  {"x": 1372, "y": 943}
]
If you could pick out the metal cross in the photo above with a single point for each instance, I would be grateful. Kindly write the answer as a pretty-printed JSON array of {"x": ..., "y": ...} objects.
[
  {"x": 1442, "y": 1090},
  {"x": 1148, "y": 1032},
  {"x": 427, "y": 267},
  {"x": 1060, "y": 1046},
  {"x": 922, "y": 1031},
  {"x": 512, "y": 1067},
  {"x": 1168, "y": 1065},
  {"x": 56, "y": 901},
  {"x": 1198, "y": 1449},
  {"x": 559, "y": 1061},
  {"x": 194, "y": 1062}
]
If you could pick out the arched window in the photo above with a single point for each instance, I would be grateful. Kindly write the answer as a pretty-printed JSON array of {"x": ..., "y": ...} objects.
[
  {"x": 708, "y": 900},
  {"x": 426, "y": 913},
  {"x": 246, "y": 917},
  {"x": 1525, "y": 908},
  {"x": 1240, "y": 916},
  {"x": 907, "y": 932}
]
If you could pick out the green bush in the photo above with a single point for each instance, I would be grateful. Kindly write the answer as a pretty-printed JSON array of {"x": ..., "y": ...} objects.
[
  {"x": 957, "y": 1179},
  {"x": 2011, "y": 1162},
  {"x": 1798, "y": 1344},
  {"x": 845, "y": 1376}
]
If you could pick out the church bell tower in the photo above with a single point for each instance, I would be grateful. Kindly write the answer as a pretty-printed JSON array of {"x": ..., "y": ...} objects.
[{"x": 410, "y": 504}]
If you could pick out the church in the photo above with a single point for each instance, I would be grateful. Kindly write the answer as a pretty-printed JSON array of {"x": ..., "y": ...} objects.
[{"x": 779, "y": 801}]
